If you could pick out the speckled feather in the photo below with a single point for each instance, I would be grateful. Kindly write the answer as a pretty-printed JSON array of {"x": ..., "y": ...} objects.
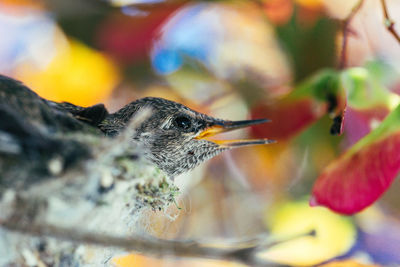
[{"x": 173, "y": 149}]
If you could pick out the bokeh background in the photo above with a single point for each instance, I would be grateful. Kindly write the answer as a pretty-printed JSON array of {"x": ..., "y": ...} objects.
[{"x": 233, "y": 60}]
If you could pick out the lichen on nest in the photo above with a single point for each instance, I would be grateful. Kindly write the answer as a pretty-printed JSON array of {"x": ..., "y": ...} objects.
[{"x": 157, "y": 195}]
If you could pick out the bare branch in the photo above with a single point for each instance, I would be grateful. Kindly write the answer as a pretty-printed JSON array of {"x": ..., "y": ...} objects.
[
  {"x": 389, "y": 23},
  {"x": 244, "y": 251}
]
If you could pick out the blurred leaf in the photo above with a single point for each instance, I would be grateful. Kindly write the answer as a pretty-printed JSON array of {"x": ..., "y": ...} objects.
[
  {"x": 347, "y": 263},
  {"x": 361, "y": 175},
  {"x": 129, "y": 38},
  {"x": 19, "y": 6},
  {"x": 325, "y": 92},
  {"x": 369, "y": 99},
  {"x": 77, "y": 74},
  {"x": 143, "y": 261},
  {"x": 334, "y": 235},
  {"x": 311, "y": 47},
  {"x": 358, "y": 123},
  {"x": 377, "y": 227},
  {"x": 310, "y": 3},
  {"x": 306, "y": 104},
  {"x": 278, "y": 11},
  {"x": 319, "y": 86},
  {"x": 79, "y": 19},
  {"x": 287, "y": 118},
  {"x": 365, "y": 89}
]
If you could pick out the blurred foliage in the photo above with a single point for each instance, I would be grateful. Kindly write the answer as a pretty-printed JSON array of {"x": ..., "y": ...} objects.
[{"x": 311, "y": 45}]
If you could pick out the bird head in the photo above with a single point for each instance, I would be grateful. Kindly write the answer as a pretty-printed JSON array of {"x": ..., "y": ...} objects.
[{"x": 175, "y": 137}]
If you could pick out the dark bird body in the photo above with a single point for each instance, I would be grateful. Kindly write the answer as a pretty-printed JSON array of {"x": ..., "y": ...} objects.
[{"x": 33, "y": 130}]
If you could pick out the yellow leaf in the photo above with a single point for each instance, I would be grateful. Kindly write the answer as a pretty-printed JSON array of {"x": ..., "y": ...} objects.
[
  {"x": 76, "y": 74},
  {"x": 310, "y": 3},
  {"x": 143, "y": 261},
  {"x": 335, "y": 234}
]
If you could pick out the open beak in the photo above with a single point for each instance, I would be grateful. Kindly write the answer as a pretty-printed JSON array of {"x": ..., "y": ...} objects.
[{"x": 226, "y": 126}]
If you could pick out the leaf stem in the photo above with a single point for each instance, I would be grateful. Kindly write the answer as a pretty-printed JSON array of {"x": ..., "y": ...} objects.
[
  {"x": 389, "y": 23},
  {"x": 345, "y": 32}
]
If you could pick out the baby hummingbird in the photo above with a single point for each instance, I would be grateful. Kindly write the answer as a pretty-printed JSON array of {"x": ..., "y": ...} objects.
[{"x": 173, "y": 137}]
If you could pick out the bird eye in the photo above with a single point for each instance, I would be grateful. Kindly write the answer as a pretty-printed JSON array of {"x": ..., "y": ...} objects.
[{"x": 183, "y": 122}]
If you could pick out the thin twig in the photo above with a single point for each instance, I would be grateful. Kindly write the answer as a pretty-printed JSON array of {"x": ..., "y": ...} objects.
[
  {"x": 389, "y": 23},
  {"x": 345, "y": 30}
]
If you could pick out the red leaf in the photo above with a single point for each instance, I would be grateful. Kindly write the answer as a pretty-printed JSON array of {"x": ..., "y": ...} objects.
[
  {"x": 129, "y": 39},
  {"x": 358, "y": 179},
  {"x": 287, "y": 118},
  {"x": 358, "y": 122}
]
